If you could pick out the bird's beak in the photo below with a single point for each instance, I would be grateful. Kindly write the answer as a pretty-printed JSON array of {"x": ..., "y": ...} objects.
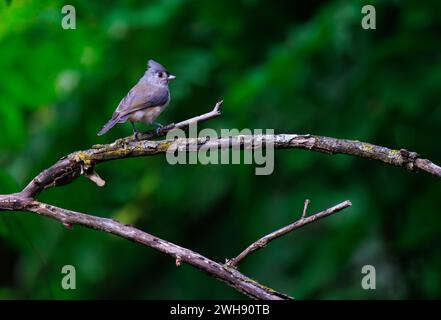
[{"x": 171, "y": 77}]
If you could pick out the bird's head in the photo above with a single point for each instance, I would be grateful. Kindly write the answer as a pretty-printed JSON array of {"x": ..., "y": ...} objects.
[{"x": 157, "y": 74}]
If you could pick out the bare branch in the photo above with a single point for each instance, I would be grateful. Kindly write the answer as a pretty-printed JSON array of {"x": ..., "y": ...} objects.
[
  {"x": 186, "y": 123},
  {"x": 180, "y": 125},
  {"x": 262, "y": 242},
  {"x": 68, "y": 218},
  {"x": 428, "y": 166},
  {"x": 305, "y": 207},
  {"x": 70, "y": 167},
  {"x": 95, "y": 178}
]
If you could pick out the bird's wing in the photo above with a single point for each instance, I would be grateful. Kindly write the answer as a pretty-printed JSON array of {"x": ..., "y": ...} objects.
[{"x": 142, "y": 96}]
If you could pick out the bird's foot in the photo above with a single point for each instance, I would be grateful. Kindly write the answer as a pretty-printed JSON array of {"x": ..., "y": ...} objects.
[
  {"x": 158, "y": 127},
  {"x": 161, "y": 128},
  {"x": 135, "y": 131}
]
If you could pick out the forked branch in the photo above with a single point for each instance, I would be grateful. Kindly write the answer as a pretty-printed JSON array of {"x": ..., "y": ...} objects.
[
  {"x": 83, "y": 163},
  {"x": 262, "y": 242}
]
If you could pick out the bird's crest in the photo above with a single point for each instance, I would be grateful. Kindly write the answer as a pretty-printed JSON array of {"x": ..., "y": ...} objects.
[{"x": 152, "y": 64}]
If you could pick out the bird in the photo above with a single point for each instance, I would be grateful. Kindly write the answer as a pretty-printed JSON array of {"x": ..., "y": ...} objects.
[{"x": 145, "y": 101}]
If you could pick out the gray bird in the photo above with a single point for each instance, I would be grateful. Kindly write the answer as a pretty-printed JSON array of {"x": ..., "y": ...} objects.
[{"x": 145, "y": 101}]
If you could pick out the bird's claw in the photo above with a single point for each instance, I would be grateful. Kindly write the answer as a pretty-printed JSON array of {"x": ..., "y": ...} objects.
[{"x": 160, "y": 128}]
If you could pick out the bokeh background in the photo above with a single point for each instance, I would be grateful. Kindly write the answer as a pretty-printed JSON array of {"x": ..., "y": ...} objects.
[{"x": 293, "y": 66}]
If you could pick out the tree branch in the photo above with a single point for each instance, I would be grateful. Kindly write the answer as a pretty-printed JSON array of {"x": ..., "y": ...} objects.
[
  {"x": 183, "y": 124},
  {"x": 262, "y": 242},
  {"x": 83, "y": 163},
  {"x": 232, "y": 277}
]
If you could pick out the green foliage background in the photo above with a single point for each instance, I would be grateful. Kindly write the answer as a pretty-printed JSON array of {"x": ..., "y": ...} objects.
[{"x": 297, "y": 67}]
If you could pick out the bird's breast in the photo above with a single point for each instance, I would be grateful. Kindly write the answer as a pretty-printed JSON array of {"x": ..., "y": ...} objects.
[{"x": 147, "y": 115}]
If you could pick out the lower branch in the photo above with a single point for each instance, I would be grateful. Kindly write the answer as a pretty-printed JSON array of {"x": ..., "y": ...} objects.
[
  {"x": 262, "y": 242},
  {"x": 230, "y": 276}
]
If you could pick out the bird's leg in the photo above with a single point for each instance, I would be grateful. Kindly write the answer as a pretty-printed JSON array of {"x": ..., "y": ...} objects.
[
  {"x": 158, "y": 127},
  {"x": 135, "y": 131}
]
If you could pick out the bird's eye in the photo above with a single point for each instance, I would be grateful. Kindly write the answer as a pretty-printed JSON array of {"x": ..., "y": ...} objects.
[{"x": 161, "y": 74}]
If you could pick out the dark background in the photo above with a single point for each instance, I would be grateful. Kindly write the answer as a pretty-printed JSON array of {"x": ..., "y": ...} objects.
[{"x": 295, "y": 67}]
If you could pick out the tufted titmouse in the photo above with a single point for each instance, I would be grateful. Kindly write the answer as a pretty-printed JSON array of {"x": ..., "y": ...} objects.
[{"x": 145, "y": 101}]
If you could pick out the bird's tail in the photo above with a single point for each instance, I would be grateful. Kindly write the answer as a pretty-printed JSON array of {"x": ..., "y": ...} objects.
[{"x": 109, "y": 125}]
